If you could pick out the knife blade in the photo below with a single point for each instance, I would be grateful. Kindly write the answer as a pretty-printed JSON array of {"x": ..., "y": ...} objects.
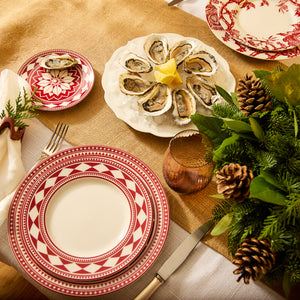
[
  {"x": 173, "y": 2},
  {"x": 174, "y": 261}
]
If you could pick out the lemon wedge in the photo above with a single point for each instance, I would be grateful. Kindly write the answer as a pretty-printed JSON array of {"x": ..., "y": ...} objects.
[{"x": 167, "y": 73}]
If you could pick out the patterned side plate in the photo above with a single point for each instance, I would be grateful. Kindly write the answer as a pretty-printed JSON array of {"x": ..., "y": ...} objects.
[
  {"x": 36, "y": 248},
  {"x": 211, "y": 11},
  {"x": 262, "y": 24},
  {"x": 58, "y": 89}
]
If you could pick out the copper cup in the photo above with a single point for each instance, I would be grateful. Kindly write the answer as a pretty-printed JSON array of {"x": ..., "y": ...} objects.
[{"x": 187, "y": 164}]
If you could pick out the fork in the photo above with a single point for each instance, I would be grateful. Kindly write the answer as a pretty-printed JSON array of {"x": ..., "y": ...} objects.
[{"x": 55, "y": 141}]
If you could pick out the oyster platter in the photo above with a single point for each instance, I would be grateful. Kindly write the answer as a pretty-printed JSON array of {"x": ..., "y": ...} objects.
[{"x": 156, "y": 82}]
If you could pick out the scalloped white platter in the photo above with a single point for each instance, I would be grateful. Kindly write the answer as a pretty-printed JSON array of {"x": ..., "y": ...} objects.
[{"x": 126, "y": 107}]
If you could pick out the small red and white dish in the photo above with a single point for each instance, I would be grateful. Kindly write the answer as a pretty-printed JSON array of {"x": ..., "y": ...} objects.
[
  {"x": 58, "y": 89},
  {"x": 212, "y": 17},
  {"x": 65, "y": 189},
  {"x": 262, "y": 24}
]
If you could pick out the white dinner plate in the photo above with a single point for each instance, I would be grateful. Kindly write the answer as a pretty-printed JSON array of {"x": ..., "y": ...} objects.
[
  {"x": 63, "y": 240},
  {"x": 126, "y": 107},
  {"x": 262, "y": 24},
  {"x": 211, "y": 11}
]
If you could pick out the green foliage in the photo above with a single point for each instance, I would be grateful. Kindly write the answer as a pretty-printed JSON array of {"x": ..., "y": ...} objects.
[
  {"x": 268, "y": 144},
  {"x": 22, "y": 109}
]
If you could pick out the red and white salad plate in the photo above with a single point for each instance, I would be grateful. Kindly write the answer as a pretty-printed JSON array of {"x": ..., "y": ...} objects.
[
  {"x": 212, "y": 16},
  {"x": 88, "y": 221},
  {"x": 58, "y": 89},
  {"x": 262, "y": 24}
]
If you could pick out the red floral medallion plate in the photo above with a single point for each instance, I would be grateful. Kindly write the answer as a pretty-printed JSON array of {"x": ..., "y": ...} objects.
[
  {"x": 58, "y": 89},
  {"x": 262, "y": 24},
  {"x": 60, "y": 192},
  {"x": 212, "y": 17}
]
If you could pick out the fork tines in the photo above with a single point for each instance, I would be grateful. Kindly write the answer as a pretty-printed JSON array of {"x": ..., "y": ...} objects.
[{"x": 57, "y": 137}]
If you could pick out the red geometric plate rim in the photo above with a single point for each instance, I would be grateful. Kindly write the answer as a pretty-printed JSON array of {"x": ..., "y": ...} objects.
[
  {"x": 58, "y": 89},
  {"x": 133, "y": 271},
  {"x": 212, "y": 18},
  {"x": 37, "y": 194},
  {"x": 281, "y": 41}
]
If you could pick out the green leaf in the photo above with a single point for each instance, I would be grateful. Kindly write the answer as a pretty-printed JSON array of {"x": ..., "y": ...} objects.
[
  {"x": 237, "y": 125},
  {"x": 222, "y": 225},
  {"x": 227, "y": 97},
  {"x": 285, "y": 85},
  {"x": 211, "y": 126},
  {"x": 286, "y": 284},
  {"x": 231, "y": 140},
  {"x": 271, "y": 179},
  {"x": 264, "y": 191},
  {"x": 257, "y": 130},
  {"x": 218, "y": 196},
  {"x": 235, "y": 100},
  {"x": 295, "y": 124},
  {"x": 261, "y": 74}
]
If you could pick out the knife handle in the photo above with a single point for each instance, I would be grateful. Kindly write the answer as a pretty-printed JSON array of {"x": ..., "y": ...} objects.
[{"x": 146, "y": 293}]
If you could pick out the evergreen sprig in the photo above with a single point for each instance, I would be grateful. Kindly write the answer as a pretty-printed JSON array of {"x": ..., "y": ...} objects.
[
  {"x": 23, "y": 109},
  {"x": 268, "y": 144}
]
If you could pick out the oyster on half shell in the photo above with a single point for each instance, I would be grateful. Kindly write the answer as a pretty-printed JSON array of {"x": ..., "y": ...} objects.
[
  {"x": 184, "y": 106},
  {"x": 202, "y": 90},
  {"x": 157, "y": 100},
  {"x": 182, "y": 50},
  {"x": 133, "y": 84},
  {"x": 157, "y": 49},
  {"x": 201, "y": 63},
  {"x": 56, "y": 62},
  {"x": 135, "y": 63}
]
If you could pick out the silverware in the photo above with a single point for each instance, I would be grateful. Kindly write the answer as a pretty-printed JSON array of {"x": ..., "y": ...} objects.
[
  {"x": 55, "y": 141},
  {"x": 174, "y": 261},
  {"x": 173, "y": 2}
]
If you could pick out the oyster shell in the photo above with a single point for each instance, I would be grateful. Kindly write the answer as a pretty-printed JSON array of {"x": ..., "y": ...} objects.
[
  {"x": 157, "y": 49},
  {"x": 157, "y": 101},
  {"x": 133, "y": 84},
  {"x": 135, "y": 63},
  {"x": 184, "y": 106},
  {"x": 202, "y": 90},
  {"x": 57, "y": 62},
  {"x": 182, "y": 50},
  {"x": 201, "y": 63}
]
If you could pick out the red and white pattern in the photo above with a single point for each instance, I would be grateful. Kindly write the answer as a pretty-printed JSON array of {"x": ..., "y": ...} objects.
[
  {"x": 77, "y": 268},
  {"x": 287, "y": 12},
  {"x": 213, "y": 21},
  {"x": 27, "y": 209},
  {"x": 58, "y": 89}
]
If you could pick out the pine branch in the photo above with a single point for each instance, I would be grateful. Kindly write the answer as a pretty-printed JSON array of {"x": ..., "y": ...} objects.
[{"x": 22, "y": 110}]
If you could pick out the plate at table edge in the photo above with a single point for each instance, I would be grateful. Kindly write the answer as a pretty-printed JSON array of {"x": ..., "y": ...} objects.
[
  {"x": 58, "y": 89},
  {"x": 211, "y": 12},
  {"x": 49, "y": 251},
  {"x": 126, "y": 108},
  {"x": 133, "y": 271},
  {"x": 279, "y": 41}
]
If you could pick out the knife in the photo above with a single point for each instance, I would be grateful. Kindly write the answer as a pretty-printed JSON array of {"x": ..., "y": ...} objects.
[
  {"x": 173, "y": 2},
  {"x": 174, "y": 261}
]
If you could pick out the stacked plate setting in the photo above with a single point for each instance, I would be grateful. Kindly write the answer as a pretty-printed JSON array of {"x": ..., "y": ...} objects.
[
  {"x": 88, "y": 221},
  {"x": 264, "y": 29}
]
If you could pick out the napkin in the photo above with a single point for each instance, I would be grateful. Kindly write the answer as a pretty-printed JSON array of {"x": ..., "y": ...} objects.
[
  {"x": 193, "y": 7},
  {"x": 11, "y": 166}
]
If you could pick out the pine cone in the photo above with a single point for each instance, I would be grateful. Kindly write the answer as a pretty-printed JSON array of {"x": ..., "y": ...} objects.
[
  {"x": 252, "y": 96},
  {"x": 233, "y": 182},
  {"x": 254, "y": 258}
]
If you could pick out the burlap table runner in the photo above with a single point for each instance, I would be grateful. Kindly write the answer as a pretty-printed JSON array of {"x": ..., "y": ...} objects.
[{"x": 96, "y": 29}]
